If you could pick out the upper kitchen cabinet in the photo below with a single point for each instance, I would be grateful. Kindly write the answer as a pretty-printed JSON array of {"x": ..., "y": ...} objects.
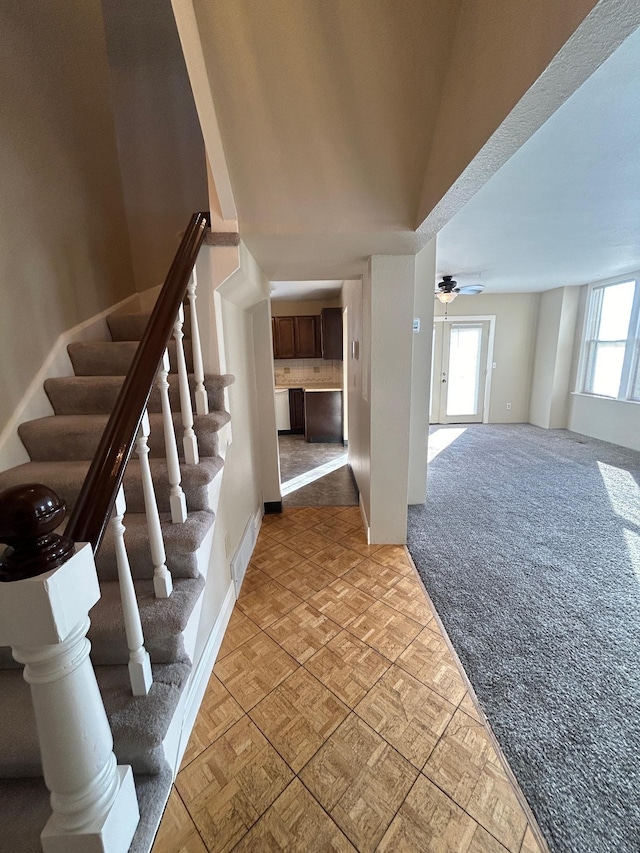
[
  {"x": 296, "y": 337},
  {"x": 284, "y": 337},
  {"x": 306, "y": 329},
  {"x": 331, "y": 333}
]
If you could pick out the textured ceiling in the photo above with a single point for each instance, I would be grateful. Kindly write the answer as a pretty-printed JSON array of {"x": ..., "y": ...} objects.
[
  {"x": 565, "y": 209},
  {"x": 352, "y": 127}
]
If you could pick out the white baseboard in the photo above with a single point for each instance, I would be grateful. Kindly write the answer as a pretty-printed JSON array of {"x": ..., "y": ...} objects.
[
  {"x": 197, "y": 685},
  {"x": 34, "y": 402},
  {"x": 365, "y": 520}
]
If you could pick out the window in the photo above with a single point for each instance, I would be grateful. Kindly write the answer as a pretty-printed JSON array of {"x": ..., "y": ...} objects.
[{"x": 611, "y": 352}]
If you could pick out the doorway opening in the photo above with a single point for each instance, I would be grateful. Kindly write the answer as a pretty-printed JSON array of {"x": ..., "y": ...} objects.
[
  {"x": 461, "y": 371},
  {"x": 309, "y": 328}
]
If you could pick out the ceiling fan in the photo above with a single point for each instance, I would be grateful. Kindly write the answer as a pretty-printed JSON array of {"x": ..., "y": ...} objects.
[{"x": 448, "y": 289}]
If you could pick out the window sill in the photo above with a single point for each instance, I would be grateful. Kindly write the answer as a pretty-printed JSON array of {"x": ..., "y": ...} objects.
[{"x": 603, "y": 397}]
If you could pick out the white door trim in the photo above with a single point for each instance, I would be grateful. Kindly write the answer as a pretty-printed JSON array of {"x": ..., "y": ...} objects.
[{"x": 479, "y": 318}]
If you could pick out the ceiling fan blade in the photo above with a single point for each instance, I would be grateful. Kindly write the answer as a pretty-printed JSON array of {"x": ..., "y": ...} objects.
[{"x": 471, "y": 289}]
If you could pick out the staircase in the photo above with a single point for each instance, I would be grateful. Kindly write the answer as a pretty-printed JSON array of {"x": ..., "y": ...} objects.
[{"x": 60, "y": 448}]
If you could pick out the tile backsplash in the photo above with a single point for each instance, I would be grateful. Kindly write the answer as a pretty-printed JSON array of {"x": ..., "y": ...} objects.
[{"x": 304, "y": 372}]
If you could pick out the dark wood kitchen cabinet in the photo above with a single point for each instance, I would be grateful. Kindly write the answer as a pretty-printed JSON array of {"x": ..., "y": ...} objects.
[
  {"x": 296, "y": 337},
  {"x": 331, "y": 333},
  {"x": 296, "y": 409},
  {"x": 284, "y": 337},
  {"x": 323, "y": 416},
  {"x": 305, "y": 331}
]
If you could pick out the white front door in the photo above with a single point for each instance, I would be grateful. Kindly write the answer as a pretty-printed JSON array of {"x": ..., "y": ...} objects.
[{"x": 459, "y": 371}]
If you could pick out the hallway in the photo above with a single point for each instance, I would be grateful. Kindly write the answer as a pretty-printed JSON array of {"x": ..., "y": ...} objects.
[
  {"x": 315, "y": 474},
  {"x": 336, "y": 717}
]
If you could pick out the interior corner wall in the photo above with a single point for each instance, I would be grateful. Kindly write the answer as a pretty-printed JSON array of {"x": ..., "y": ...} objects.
[
  {"x": 358, "y": 411},
  {"x": 162, "y": 157},
  {"x": 425, "y": 277},
  {"x": 553, "y": 358},
  {"x": 64, "y": 246},
  {"x": 392, "y": 304},
  {"x": 513, "y": 349},
  {"x": 265, "y": 401},
  {"x": 545, "y": 357}
]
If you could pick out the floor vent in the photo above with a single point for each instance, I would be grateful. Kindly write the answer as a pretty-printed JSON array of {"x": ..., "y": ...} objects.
[{"x": 241, "y": 558}]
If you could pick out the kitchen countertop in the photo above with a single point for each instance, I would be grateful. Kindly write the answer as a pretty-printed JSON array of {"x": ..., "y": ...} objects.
[{"x": 315, "y": 387}]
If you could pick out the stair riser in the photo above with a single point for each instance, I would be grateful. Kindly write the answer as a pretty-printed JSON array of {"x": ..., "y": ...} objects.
[
  {"x": 68, "y": 398},
  {"x": 114, "y": 359},
  {"x": 68, "y": 488},
  {"x": 65, "y": 445},
  {"x": 131, "y": 327},
  {"x": 180, "y": 565}
]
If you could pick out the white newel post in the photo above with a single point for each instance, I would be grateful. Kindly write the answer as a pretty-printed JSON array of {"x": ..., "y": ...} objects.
[
  {"x": 202, "y": 399},
  {"x": 189, "y": 439},
  {"x": 162, "y": 582},
  {"x": 45, "y": 620},
  {"x": 177, "y": 500},
  {"x": 139, "y": 662}
]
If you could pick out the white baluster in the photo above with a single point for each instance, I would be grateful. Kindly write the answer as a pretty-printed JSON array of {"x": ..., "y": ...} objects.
[
  {"x": 189, "y": 439},
  {"x": 45, "y": 620},
  {"x": 139, "y": 662},
  {"x": 162, "y": 583},
  {"x": 177, "y": 500},
  {"x": 202, "y": 399}
]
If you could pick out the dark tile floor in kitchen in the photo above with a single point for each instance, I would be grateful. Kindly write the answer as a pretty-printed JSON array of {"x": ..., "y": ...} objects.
[{"x": 315, "y": 474}]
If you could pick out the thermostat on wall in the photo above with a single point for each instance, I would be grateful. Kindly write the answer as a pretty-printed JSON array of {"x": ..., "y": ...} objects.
[{"x": 416, "y": 324}]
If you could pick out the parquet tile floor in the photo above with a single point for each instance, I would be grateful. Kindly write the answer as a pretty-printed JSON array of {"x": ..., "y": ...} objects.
[{"x": 336, "y": 717}]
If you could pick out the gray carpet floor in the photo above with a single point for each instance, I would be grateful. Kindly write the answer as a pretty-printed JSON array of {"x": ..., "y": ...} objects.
[
  {"x": 529, "y": 546},
  {"x": 315, "y": 473}
]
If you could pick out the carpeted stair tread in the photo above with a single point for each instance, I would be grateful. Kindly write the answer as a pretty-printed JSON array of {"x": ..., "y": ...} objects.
[
  {"x": 96, "y": 395},
  {"x": 181, "y": 542},
  {"x": 139, "y": 723},
  {"x": 110, "y": 358},
  {"x": 163, "y": 621},
  {"x": 19, "y": 752},
  {"x": 66, "y": 479},
  {"x": 24, "y": 811},
  {"x": 76, "y": 437},
  {"x": 152, "y": 793}
]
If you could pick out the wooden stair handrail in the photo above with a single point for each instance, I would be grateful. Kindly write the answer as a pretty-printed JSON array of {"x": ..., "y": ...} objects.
[{"x": 92, "y": 510}]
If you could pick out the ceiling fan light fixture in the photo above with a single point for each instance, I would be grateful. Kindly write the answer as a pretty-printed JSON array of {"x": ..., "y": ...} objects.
[{"x": 446, "y": 297}]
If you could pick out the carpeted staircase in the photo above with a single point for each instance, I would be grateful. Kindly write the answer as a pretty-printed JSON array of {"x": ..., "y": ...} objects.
[{"x": 60, "y": 448}]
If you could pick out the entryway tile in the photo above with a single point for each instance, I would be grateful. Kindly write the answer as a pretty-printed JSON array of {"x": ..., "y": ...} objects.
[
  {"x": 348, "y": 667},
  {"x": 295, "y": 823},
  {"x": 254, "y": 670},
  {"x": 298, "y": 716},
  {"x": 231, "y": 784},
  {"x": 303, "y": 631},
  {"x": 428, "y": 659},
  {"x": 360, "y": 780},
  {"x": 408, "y": 715},
  {"x": 386, "y": 630}
]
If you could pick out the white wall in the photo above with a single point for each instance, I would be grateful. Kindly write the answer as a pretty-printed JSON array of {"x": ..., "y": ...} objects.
[
  {"x": 553, "y": 358},
  {"x": 358, "y": 412},
  {"x": 251, "y": 473},
  {"x": 162, "y": 158},
  {"x": 392, "y": 283},
  {"x": 425, "y": 268},
  {"x": 515, "y": 332},
  {"x": 64, "y": 247},
  {"x": 616, "y": 421}
]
